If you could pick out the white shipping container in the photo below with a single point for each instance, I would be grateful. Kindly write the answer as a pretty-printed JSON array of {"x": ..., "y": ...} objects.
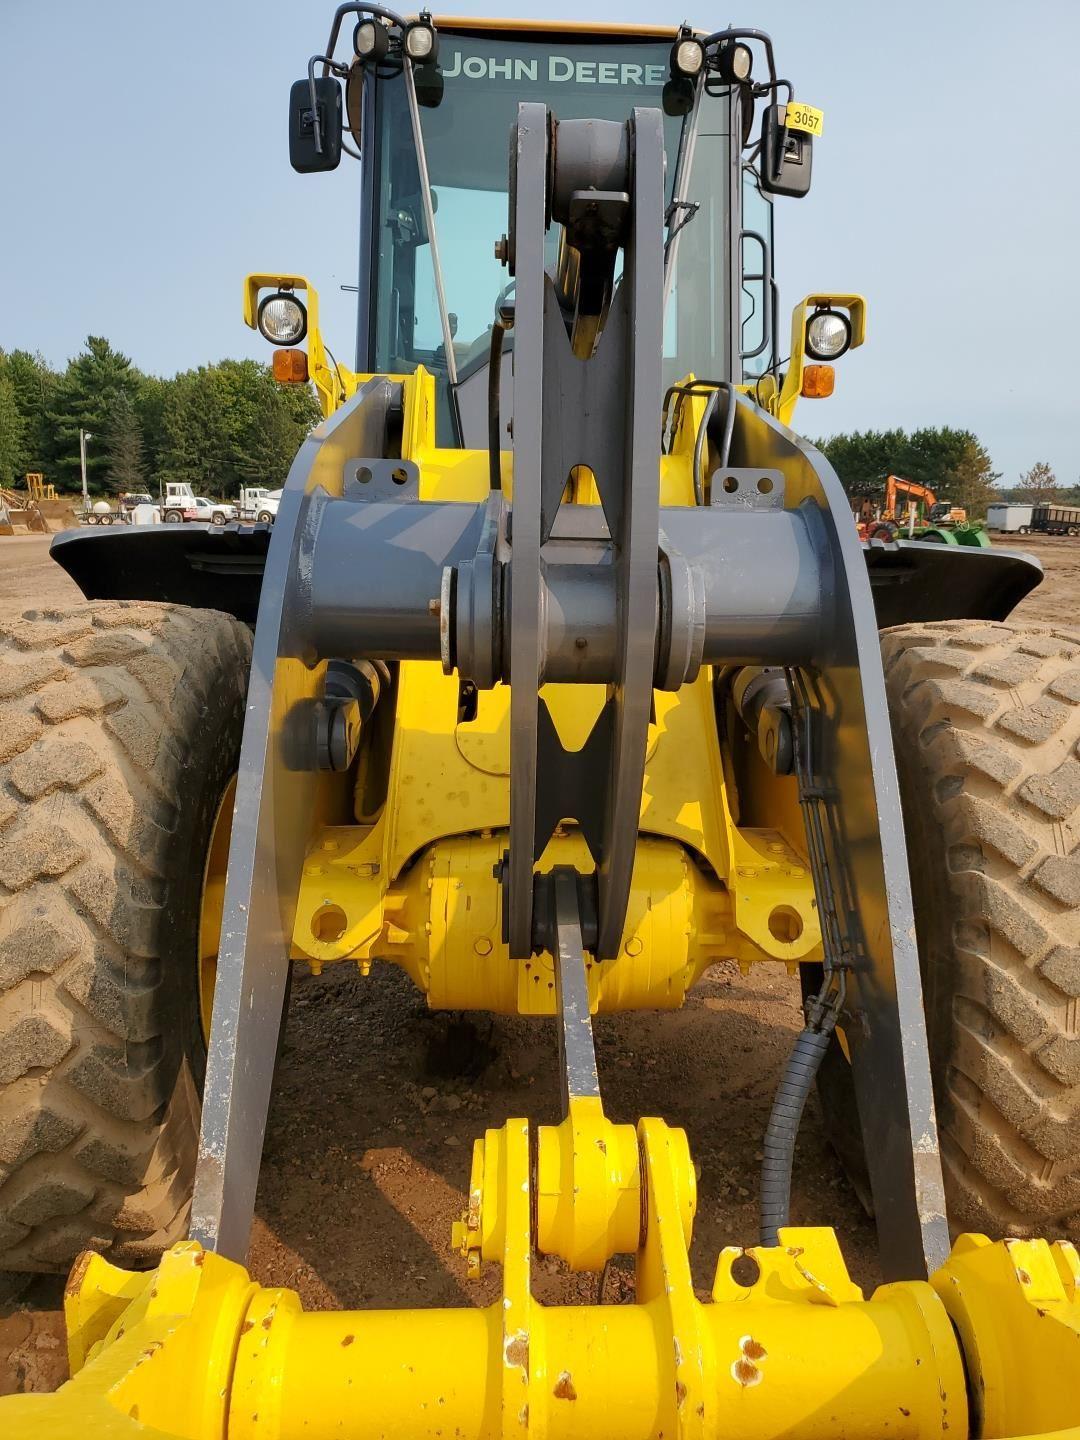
[{"x": 1009, "y": 518}]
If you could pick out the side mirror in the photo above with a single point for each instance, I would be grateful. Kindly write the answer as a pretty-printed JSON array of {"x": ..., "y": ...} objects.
[
  {"x": 786, "y": 154},
  {"x": 305, "y": 155}
]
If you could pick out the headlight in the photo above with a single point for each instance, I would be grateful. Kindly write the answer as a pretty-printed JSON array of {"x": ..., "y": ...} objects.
[
  {"x": 282, "y": 319},
  {"x": 687, "y": 57},
  {"x": 421, "y": 41},
  {"x": 371, "y": 40},
  {"x": 735, "y": 62},
  {"x": 828, "y": 335}
]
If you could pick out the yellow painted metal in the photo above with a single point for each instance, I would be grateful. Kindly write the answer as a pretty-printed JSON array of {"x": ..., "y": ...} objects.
[
  {"x": 1016, "y": 1307},
  {"x": 783, "y": 404},
  {"x": 440, "y": 921},
  {"x": 333, "y": 383},
  {"x": 195, "y": 1350},
  {"x": 212, "y": 903},
  {"x": 588, "y": 1187}
]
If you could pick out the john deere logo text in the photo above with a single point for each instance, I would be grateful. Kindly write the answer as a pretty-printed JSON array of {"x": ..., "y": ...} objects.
[{"x": 554, "y": 69}]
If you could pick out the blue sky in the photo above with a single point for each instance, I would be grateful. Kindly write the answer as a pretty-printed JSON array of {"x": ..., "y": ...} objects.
[{"x": 144, "y": 171}]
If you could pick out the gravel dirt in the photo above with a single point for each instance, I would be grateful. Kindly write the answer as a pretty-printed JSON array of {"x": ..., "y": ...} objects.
[{"x": 378, "y": 1101}]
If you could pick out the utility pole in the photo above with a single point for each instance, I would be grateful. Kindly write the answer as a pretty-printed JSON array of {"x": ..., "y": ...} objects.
[{"x": 84, "y": 436}]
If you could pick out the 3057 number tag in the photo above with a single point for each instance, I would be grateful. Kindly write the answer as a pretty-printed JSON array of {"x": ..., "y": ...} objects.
[{"x": 804, "y": 117}]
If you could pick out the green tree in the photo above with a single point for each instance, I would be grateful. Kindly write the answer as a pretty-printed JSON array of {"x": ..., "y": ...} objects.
[
  {"x": 124, "y": 446},
  {"x": 953, "y": 463},
  {"x": 34, "y": 383},
  {"x": 1039, "y": 484},
  {"x": 972, "y": 480},
  {"x": 11, "y": 431},
  {"x": 83, "y": 398}
]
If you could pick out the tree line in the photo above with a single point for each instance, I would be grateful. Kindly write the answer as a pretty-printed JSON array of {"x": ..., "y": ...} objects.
[
  {"x": 953, "y": 463},
  {"x": 218, "y": 427}
]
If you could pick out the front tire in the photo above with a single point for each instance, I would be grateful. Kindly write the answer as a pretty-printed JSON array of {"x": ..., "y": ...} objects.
[
  {"x": 120, "y": 728},
  {"x": 265, "y": 517},
  {"x": 986, "y": 724}
]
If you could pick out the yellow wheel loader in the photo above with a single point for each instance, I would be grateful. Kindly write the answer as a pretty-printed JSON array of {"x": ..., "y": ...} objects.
[{"x": 565, "y": 682}]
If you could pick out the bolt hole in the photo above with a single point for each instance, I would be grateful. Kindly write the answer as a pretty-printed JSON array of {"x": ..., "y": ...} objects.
[
  {"x": 745, "y": 1271},
  {"x": 399, "y": 476},
  {"x": 363, "y": 474},
  {"x": 329, "y": 923},
  {"x": 765, "y": 485},
  {"x": 731, "y": 484},
  {"x": 785, "y": 924}
]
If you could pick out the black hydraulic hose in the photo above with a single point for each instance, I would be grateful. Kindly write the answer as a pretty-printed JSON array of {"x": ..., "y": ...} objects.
[
  {"x": 498, "y": 330},
  {"x": 779, "y": 1147}
]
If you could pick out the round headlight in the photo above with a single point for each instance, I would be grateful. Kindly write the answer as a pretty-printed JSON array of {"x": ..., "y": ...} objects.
[
  {"x": 688, "y": 57},
  {"x": 371, "y": 40},
  {"x": 828, "y": 335},
  {"x": 421, "y": 42},
  {"x": 282, "y": 319},
  {"x": 735, "y": 62}
]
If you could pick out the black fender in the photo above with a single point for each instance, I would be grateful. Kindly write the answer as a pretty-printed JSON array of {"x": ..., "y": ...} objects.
[{"x": 220, "y": 567}]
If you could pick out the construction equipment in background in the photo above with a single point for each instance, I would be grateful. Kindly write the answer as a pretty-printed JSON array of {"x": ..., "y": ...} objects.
[
  {"x": 922, "y": 516},
  {"x": 553, "y": 729},
  {"x": 20, "y": 515},
  {"x": 37, "y": 488}
]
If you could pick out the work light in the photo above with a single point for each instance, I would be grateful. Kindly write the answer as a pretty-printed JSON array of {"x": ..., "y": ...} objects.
[
  {"x": 828, "y": 335},
  {"x": 421, "y": 41},
  {"x": 735, "y": 62},
  {"x": 687, "y": 57},
  {"x": 371, "y": 40},
  {"x": 282, "y": 319}
]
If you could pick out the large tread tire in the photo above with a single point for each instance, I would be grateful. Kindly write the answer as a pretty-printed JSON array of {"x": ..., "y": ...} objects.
[
  {"x": 120, "y": 727},
  {"x": 986, "y": 725}
]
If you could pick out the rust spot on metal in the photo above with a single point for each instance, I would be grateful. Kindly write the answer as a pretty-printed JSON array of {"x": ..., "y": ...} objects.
[
  {"x": 200, "y": 1259},
  {"x": 564, "y": 1387},
  {"x": 903, "y": 1411},
  {"x": 267, "y": 1320},
  {"x": 153, "y": 1293},
  {"x": 78, "y": 1271},
  {"x": 746, "y": 1373},
  {"x": 701, "y": 1410},
  {"x": 516, "y": 1352},
  {"x": 752, "y": 1349},
  {"x": 1023, "y": 1276},
  {"x": 680, "y": 1394},
  {"x": 134, "y": 1412},
  {"x": 347, "y": 1340},
  {"x": 247, "y": 1325}
]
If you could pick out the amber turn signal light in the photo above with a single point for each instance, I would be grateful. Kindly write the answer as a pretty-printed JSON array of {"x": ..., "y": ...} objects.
[
  {"x": 817, "y": 381},
  {"x": 290, "y": 367}
]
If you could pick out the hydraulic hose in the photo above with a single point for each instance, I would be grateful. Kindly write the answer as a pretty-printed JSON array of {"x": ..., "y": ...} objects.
[{"x": 779, "y": 1147}]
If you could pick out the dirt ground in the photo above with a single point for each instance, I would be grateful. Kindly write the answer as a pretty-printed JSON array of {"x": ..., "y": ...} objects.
[{"x": 378, "y": 1101}]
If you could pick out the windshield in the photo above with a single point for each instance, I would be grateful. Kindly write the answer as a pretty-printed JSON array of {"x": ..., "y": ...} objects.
[{"x": 466, "y": 140}]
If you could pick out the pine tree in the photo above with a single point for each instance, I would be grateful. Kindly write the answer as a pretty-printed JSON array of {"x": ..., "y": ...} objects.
[
  {"x": 11, "y": 432},
  {"x": 972, "y": 481},
  {"x": 83, "y": 399},
  {"x": 124, "y": 446}
]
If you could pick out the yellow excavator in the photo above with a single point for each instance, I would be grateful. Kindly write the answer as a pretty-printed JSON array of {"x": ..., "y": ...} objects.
[{"x": 560, "y": 676}]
